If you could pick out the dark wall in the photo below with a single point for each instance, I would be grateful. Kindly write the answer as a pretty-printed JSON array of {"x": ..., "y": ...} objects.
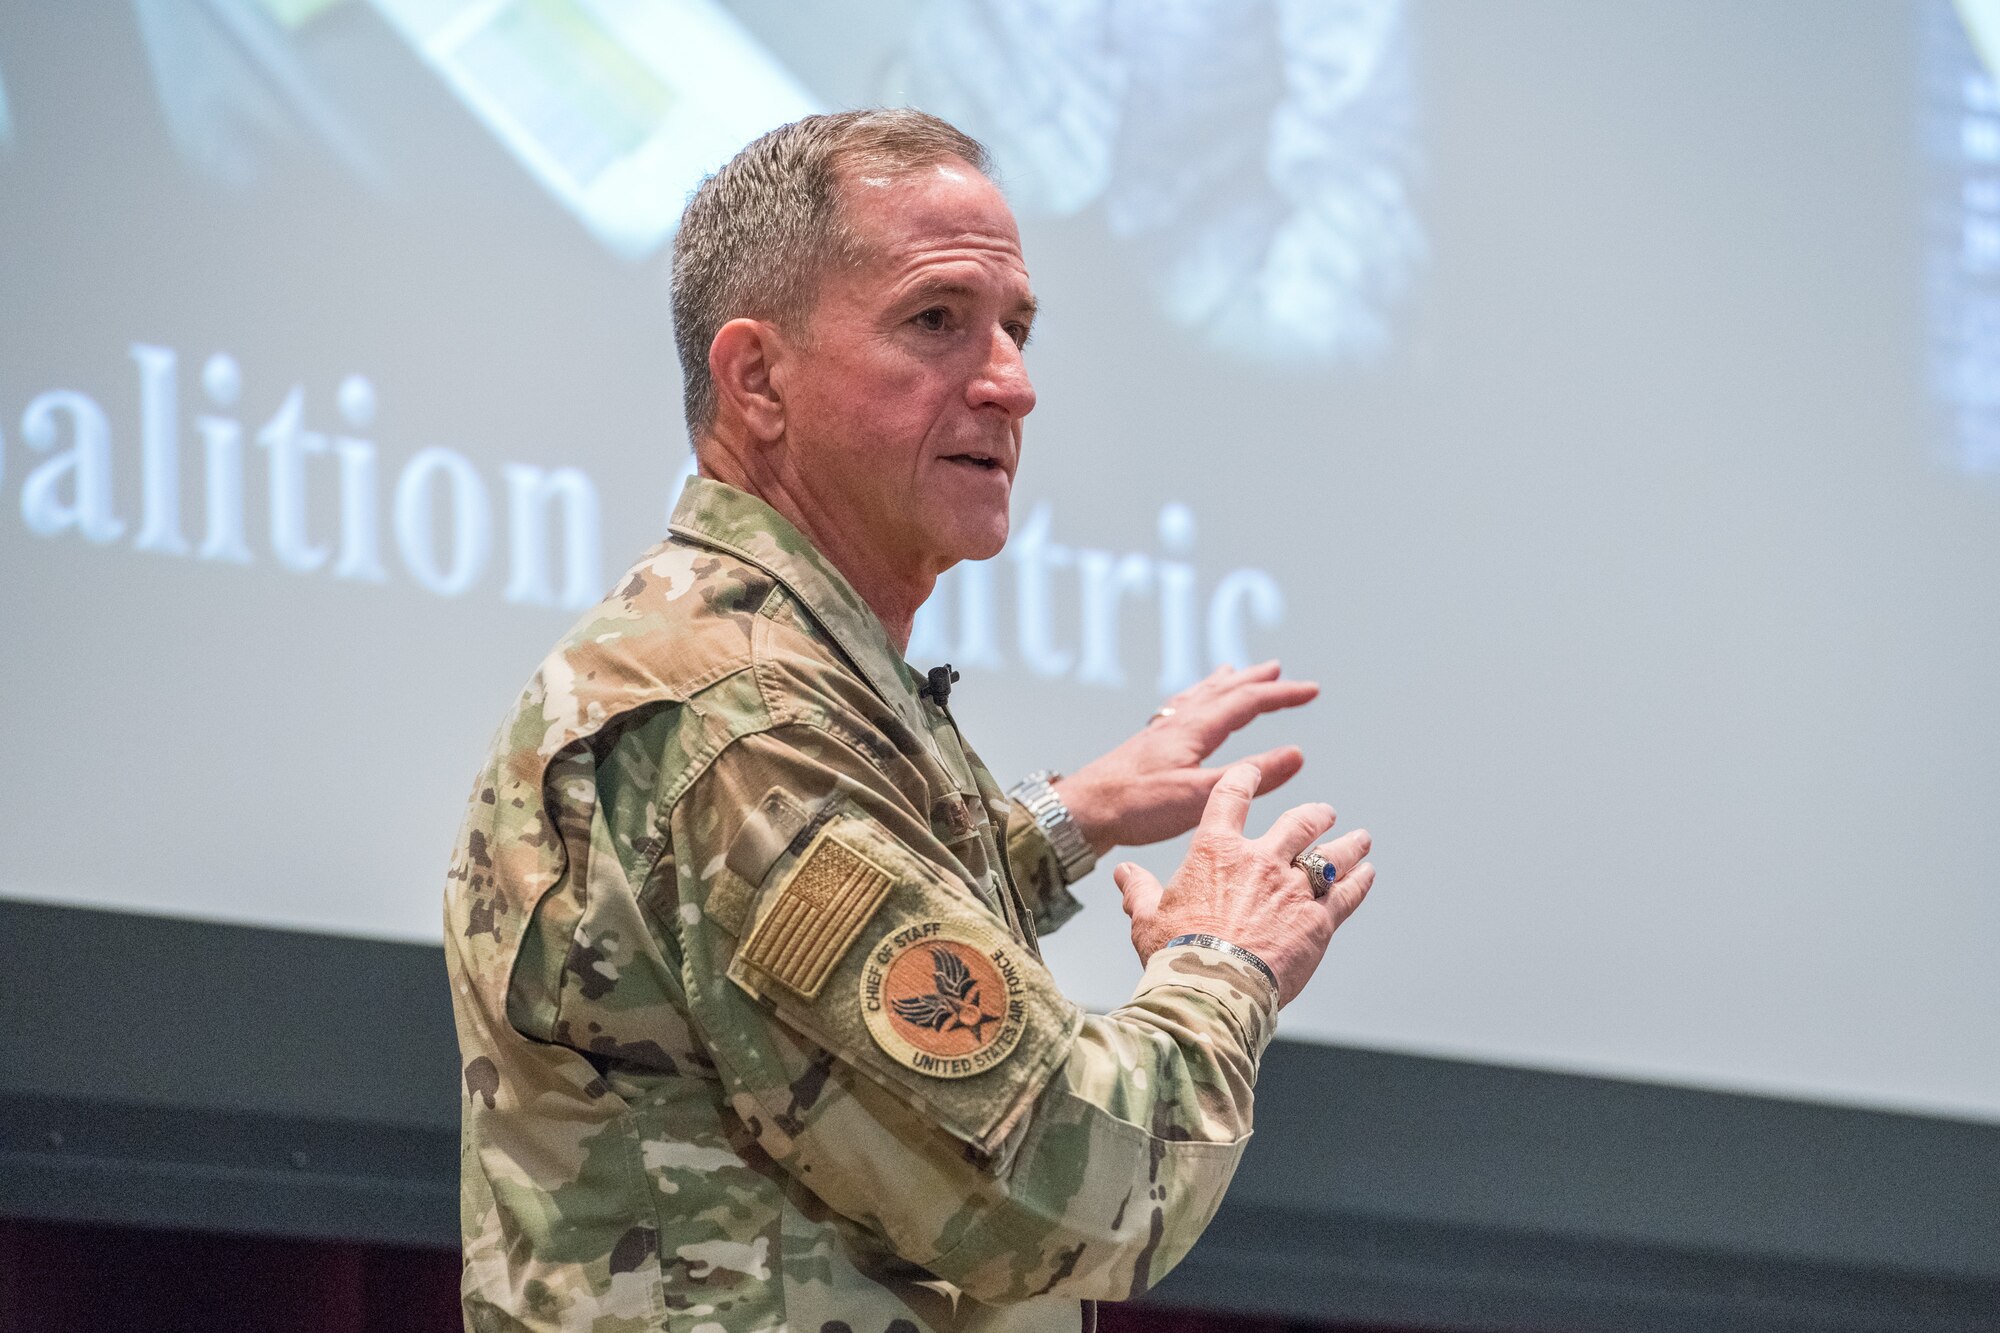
[
  {"x": 58, "y": 1277},
  {"x": 169, "y": 1074}
]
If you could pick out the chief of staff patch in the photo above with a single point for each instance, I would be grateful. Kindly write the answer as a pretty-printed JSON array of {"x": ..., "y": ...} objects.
[{"x": 944, "y": 998}]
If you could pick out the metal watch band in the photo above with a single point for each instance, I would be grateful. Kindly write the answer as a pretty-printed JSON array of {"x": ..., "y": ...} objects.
[
  {"x": 1066, "y": 840},
  {"x": 1216, "y": 942}
]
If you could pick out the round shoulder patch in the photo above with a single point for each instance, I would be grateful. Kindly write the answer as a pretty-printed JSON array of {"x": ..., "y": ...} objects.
[{"x": 945, "y": 998}]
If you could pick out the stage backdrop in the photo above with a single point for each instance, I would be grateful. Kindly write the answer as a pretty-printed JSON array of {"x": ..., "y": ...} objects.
[{"x": 1602, "y": 402}]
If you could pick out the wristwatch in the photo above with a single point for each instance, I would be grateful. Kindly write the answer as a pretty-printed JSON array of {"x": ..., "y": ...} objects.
[{"x": 1072, "y": 849}]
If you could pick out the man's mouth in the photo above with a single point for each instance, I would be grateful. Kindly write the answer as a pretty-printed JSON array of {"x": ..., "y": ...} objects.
[{"x": 985, "y": 462}]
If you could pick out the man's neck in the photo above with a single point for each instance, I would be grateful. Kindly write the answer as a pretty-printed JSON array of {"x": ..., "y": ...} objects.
[{"x": 893, "y": 589}]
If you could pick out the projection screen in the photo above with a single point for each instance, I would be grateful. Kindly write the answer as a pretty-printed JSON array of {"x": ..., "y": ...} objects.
[{"x": 1603, "y": 403}]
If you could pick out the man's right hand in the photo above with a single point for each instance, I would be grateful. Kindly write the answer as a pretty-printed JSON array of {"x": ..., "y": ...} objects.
[{"x": 1246, "y": 890}]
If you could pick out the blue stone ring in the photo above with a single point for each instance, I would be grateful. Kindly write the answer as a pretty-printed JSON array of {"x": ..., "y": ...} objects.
[{"x": 1320, "y": 873}]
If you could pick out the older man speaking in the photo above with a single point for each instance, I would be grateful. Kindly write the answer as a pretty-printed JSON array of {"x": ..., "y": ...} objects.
[{"x": 742, "y": 934}]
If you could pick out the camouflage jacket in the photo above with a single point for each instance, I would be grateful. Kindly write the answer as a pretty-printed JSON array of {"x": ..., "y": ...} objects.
[{"x": 754, "y": 1027}]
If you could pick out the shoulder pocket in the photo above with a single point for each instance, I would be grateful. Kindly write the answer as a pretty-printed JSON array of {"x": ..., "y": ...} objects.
[{"x": 859, "y": 945}]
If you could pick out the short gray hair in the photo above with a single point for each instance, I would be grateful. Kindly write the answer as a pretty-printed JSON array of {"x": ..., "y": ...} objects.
[{"x": 760, "y": 233}]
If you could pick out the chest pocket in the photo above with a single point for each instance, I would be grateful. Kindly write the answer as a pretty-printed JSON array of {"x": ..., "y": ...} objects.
[
  {"x": 960, "y": 823},
  {"x": 952, "y": 818},
  {"x": 961, "y": 820}
]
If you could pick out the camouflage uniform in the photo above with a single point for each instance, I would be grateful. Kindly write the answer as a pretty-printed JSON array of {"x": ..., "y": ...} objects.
[{"x": 756, "y": 1034}]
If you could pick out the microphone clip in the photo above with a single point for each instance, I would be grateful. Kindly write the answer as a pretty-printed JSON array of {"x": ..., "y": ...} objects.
[{"x": 941, "y": 679}]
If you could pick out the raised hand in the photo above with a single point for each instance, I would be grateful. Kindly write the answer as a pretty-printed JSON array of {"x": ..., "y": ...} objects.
[
  {"x": 1246, "y": 890},
  {"x": 1153, "y": 786}
]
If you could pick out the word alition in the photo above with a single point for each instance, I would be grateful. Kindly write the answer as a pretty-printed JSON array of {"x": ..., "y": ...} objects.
[
  {"x": 71, "y": 491},
  {"x": 442, "y": 529}
]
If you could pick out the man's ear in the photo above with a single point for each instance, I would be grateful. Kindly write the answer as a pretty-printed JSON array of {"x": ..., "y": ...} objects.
[{"x": 740, "y": 365}]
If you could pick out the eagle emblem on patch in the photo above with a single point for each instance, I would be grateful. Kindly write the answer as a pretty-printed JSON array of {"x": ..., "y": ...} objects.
[{"x": 944, "y": 998}]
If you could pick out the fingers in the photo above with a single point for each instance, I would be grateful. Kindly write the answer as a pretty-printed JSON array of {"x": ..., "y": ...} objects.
[
  {"x": 1229, "y": 680},
  {"x": 1229, "y": 801},
  {"x": 1241, "y": 702},
  {"x": 1201, "y": 689},
  {"x": 1298, "y": 828},
  {"x": 1277, "y": 767},
  {"x": 1262, "y": 671},
  {"x": 1274, "y": 769},
  {"x": 1348, "y": 893},
  {"x": 1345, "y": 852},
  {"x": 1140, "y": 889}
]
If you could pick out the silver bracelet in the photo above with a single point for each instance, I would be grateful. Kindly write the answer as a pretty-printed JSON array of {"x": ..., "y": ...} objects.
[
  {"x": 1216, "y": 942},
  {"x": 1066, "y": 839}
]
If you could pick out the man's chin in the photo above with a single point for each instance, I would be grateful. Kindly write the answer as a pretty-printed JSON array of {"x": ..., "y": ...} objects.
[
  {"x": 974, "y": 532},
  {"x": 986, "y": 549},
  {"x": 987, "y": 541}
]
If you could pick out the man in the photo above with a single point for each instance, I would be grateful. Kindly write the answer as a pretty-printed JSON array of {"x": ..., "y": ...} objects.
[{"x": 743, "y": 935}]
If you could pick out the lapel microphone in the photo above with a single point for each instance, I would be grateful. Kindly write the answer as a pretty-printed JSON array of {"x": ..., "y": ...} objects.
[{"x": 941, "y": 679}]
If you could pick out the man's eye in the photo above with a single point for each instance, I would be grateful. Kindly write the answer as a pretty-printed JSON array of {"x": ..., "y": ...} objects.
[
  {"x": 1019, "y": 333},
  {"x": 933, "y": 319}
]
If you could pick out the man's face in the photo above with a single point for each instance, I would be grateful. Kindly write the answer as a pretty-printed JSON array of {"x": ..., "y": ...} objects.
[{"x": 904, "y": 407}]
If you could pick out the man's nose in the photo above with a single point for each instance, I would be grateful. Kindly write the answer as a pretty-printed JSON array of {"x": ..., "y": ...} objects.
[{"x": 1003, "y": 381}]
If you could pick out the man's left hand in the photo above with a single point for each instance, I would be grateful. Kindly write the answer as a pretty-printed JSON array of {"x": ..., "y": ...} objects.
[{"x": 1153, "y": 787}]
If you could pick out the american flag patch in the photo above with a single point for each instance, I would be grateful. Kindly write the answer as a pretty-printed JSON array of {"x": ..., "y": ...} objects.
[{"x": 832, "y": 892}]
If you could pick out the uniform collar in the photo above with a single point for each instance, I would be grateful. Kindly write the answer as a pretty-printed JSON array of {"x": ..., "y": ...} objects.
[{"x": 715, "y": 514}]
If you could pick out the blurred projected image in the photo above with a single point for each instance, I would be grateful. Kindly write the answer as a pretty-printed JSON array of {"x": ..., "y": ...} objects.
[
  {"x": 1963, "y": 51},
  {"x": 616, "y": 107},
  {"x": 1252, "y": 157},
  {"x": 1256, "y": 155},
  {"x": 235, "y": 91}
]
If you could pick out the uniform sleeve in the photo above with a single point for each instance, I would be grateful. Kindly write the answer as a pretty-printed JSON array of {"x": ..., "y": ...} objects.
[
  {"x": 1038, "y": 870},
  {"x": 907, "y": 1060}
]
